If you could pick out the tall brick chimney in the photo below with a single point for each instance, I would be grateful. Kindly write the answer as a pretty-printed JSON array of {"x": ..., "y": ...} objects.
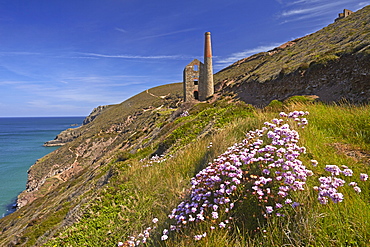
[{"x": 207, "y": 87}]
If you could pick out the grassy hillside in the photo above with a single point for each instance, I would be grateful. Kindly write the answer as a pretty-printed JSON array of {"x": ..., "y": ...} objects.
[
  {"x": 114, "y": 196},
  {"x": 219, "y": 173},
  {"x": 332, "y": 63},
  {"x": 142, "y": 190},
  {"x": 350, "y": 35}
]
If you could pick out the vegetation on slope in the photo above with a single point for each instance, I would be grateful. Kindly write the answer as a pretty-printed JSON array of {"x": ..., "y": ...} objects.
[
  {"x": 142, "y": 190},
  {"x": 350, "y": 35},
  {"x": 332, "y": 63},
  {"x": 72, "y": 174},
  {"x": 135, "y": 161}
]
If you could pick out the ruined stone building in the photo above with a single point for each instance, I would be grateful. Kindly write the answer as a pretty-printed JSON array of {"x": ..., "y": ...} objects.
[
  {"x": 346, "y": 12},
  {"x": 198, "y": 77}
]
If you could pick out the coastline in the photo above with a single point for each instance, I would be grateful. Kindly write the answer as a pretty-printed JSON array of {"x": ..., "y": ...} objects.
[
  {"x": 71, "y": 131},
  {"x": 11, "y": 207},
  {"x": 65, "y": 136},
  {"x": 21, "y": 146}
]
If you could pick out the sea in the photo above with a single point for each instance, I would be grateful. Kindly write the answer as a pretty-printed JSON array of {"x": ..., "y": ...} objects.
[{"x": 21, "y": 145}]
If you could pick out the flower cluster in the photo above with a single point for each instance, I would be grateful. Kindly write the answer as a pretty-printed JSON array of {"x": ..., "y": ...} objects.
[
  {"x": 184, "y": 114},
  {"x": 279, "y": 162},
  {"x": 141, "y": 238},
  {"x": 216, "y": 189},
  {"x": 329, "y": 186},
  {"x": 156, "y": 159},
  {"x": 265, "y": 166},
  {"x": 211, "y": 193},
  {"x": 328, "y": 189}
]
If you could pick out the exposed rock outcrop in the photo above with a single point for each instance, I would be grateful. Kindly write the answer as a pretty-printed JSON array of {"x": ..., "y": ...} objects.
[
  {"x": 64, "y": 137},
  {"x": 70, "y": 134},
  {"x": 347, "y": 78},
  {"x": 122, "y": 126},
  {"x": 96, "y": 112}
]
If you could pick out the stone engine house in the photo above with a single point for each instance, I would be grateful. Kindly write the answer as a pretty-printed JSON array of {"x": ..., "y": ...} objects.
[
  {"x": 191, "y": 80},
  {"x": 198, "y": 77},
  {"x": 346, "y": 12}
]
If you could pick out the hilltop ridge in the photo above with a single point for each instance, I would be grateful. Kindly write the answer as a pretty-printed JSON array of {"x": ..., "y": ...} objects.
[{"x": 332, "y": 63}]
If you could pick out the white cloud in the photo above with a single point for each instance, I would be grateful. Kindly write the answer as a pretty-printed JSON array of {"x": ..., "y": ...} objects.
[
  {"x": 17, "y": 53},
  {"x": 77, "y": 90},
  {"x": 99, "y": 79},
  {"x": 2, "y": 83},
  {"x": 363, "y": 4},
  {"x": 166, "y": 34},
  {"x": 304, "y": 1},
  {"x": 298, "y": 11},
  {"x": 97, "y": 55},
  {"x": 121, "y": 30},
  {"x": 49, "y": 108},
  {"x": 243, "y": 54},
  {"x": 307, "y": 9}
]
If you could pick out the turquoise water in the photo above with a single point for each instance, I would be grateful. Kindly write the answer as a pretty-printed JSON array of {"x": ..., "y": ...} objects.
[{"x": 21, "y": 144}]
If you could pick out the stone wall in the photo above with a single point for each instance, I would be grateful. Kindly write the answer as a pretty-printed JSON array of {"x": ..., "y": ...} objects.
[{"x": 191, "y": 80}]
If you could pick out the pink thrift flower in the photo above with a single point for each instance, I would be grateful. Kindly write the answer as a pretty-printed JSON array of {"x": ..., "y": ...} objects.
[
  {"x": 357, "y": 189},
  {"x": 314, "y": 162},
  {"x": 269, "y": 209},
  {"x": 347, "y": 172},
  {"x": 197, "y": 237},
  {"x": 353, "y": 184},
  {"x": 323, "y": 200},
  {"x": 364, "y": 176},
  {"x": 283, "y": 114},
  {"x": 278, "y": 205},
  {"x": 214, "y": 215}
]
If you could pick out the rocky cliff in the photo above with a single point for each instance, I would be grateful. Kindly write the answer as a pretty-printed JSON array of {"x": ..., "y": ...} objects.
[
  {"x": 122, "y": 127},
  {"x": 64, "y": 137},
  {"x": 70, "y": 134},
  {"x": 347, "y": 78},
  {"x": 96, "y": 112}
]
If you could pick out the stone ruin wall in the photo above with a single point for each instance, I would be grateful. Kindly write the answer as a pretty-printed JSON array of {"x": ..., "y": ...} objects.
[{"x": 192, "y": 77}]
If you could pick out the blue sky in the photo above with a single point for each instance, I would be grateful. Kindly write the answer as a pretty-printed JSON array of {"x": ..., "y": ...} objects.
[{"x": 65, "y": 57}]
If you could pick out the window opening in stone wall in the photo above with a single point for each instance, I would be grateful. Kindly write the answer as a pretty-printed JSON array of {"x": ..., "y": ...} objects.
[
  {"x": 195, "y": 81},
  {"x": 195, "y": 67},
  {"x": 196, "y": 95}
]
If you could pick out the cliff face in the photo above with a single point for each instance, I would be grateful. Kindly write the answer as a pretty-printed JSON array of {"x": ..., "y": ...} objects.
[
  {"x": 96, "y": 112},
  {"x": 69, "y": 135},
  {"x": 347, "y": 78},
  {"x": 62, "y": 181},
  {"x": 125, "y": 126},
  {"x": 64, "y": 137}
]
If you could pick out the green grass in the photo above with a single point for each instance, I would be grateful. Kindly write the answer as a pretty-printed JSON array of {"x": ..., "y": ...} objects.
[
  {"x": 118, "y": 192},
  {"x": 137, "y": 194}
]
